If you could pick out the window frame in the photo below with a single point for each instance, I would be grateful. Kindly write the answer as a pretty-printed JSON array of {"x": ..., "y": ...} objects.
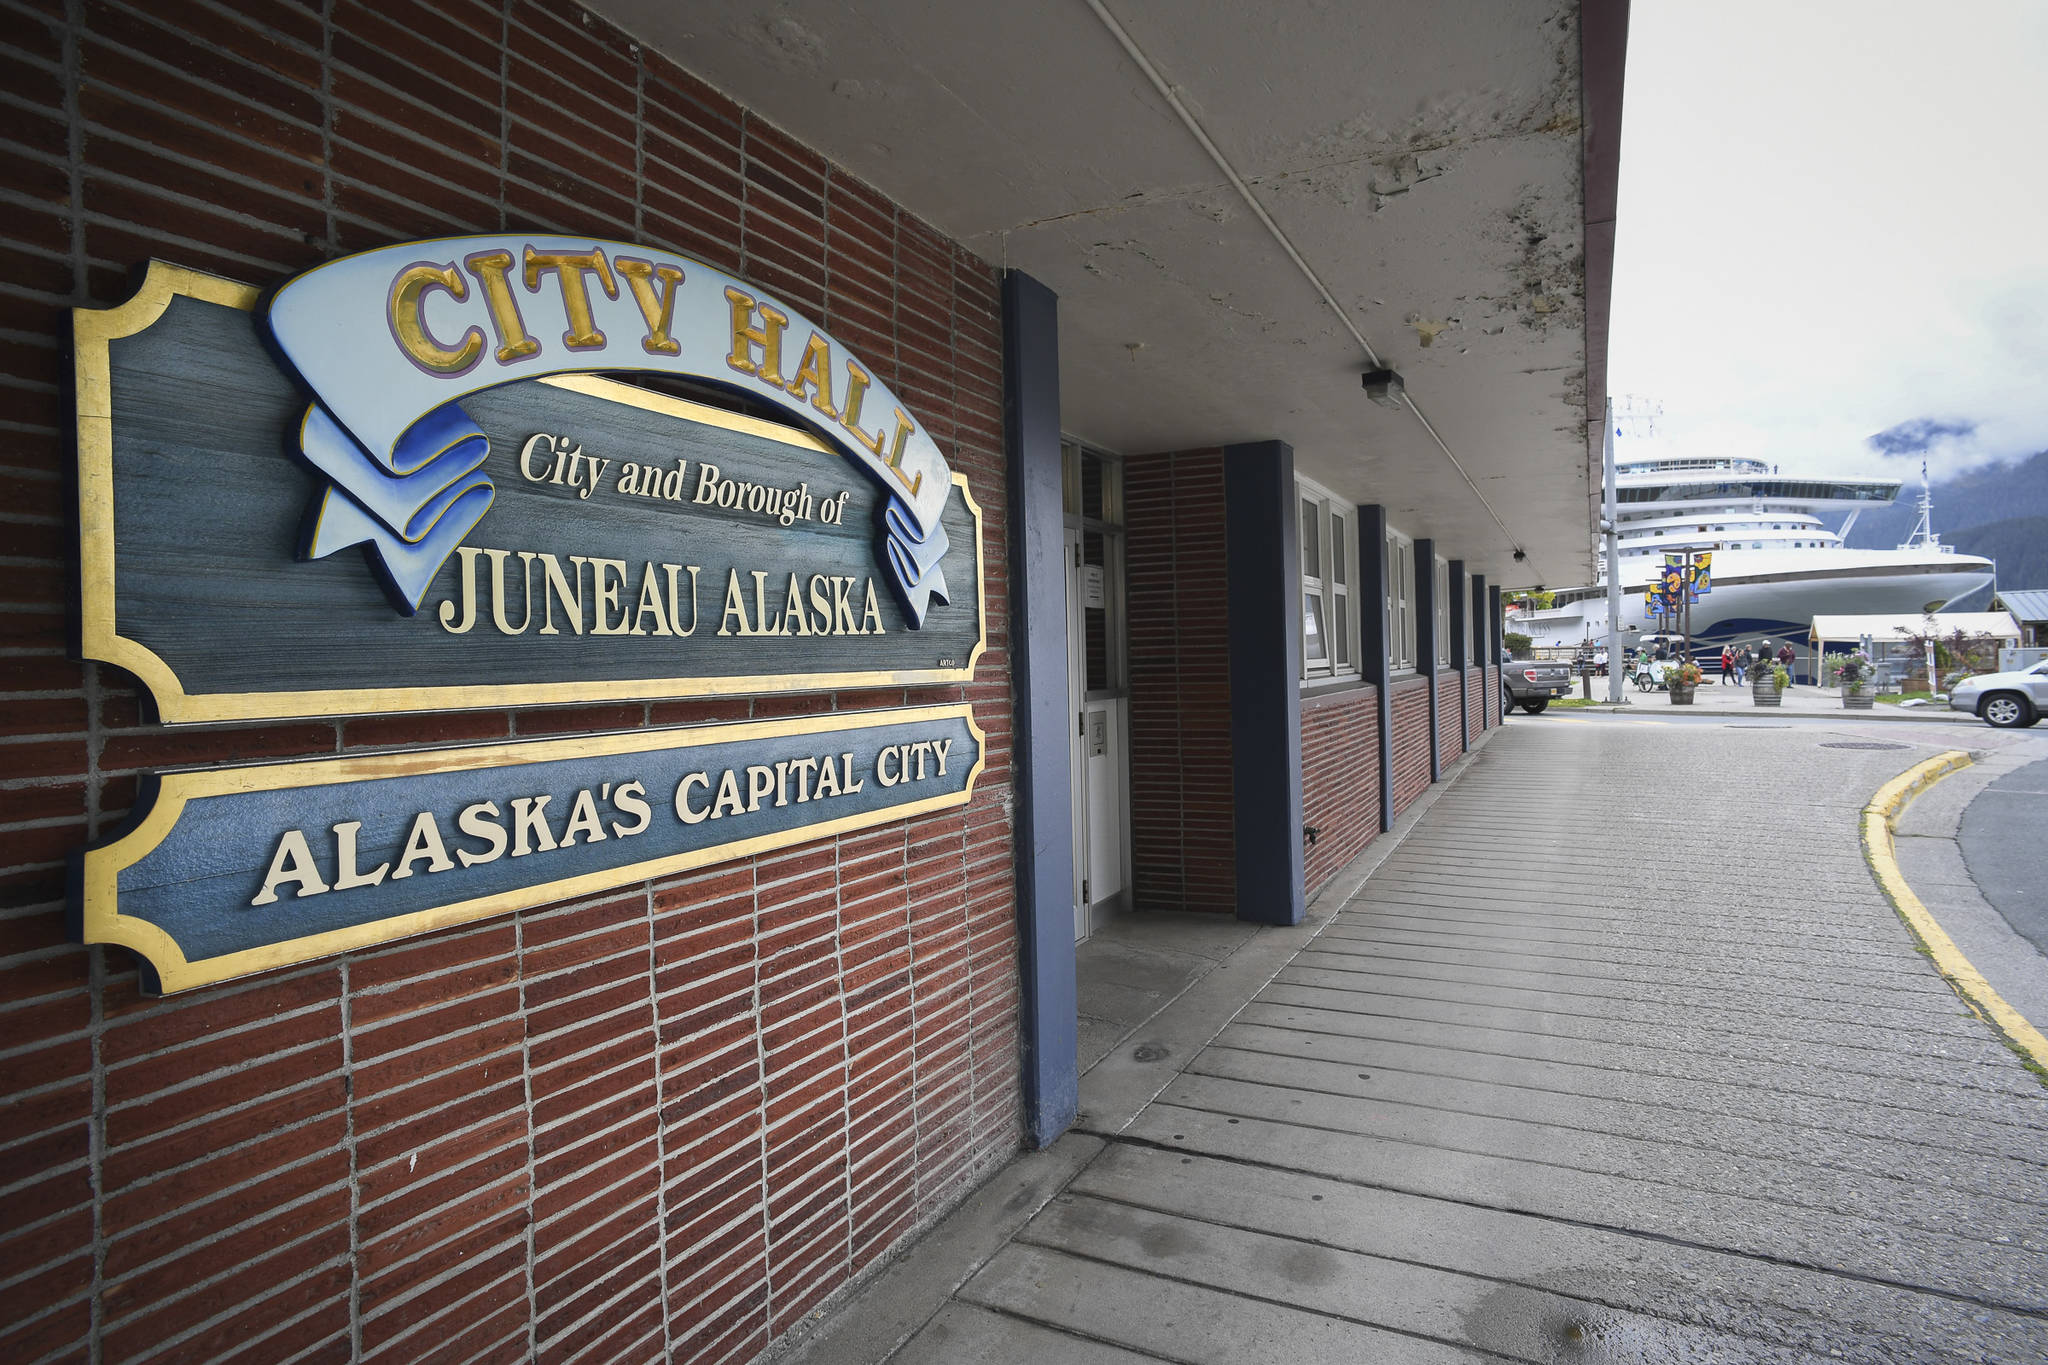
[
  {"x": 1333, "y": 583},
  {"x": 1443, "y": 612},
  {"x": 1400, "y": 551}
]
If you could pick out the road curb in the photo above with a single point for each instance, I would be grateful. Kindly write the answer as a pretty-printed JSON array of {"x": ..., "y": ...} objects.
[{"x": 1878, "y": 818}]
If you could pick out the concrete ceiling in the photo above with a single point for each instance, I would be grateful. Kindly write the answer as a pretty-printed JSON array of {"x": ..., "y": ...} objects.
[{"x": 1424, "y": 159}]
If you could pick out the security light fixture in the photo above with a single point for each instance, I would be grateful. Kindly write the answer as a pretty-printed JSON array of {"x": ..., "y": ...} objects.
[
  {"x": 1521, "y": 555},
  {"x": 1383, "y": 387}
]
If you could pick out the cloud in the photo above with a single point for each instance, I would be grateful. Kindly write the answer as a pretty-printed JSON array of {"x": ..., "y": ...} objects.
[{"x": 1919, "y": 436}]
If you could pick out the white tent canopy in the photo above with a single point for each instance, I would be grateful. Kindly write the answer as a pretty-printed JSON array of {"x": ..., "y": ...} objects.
[{"x": 1998, "y": 625}]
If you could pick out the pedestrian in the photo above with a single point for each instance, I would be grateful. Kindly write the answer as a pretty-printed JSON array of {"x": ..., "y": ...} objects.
[
  {"x": 1785, "y": 657},
  {"x": 1727, "y": 665},
  {"x": 1741, "y": 664}
]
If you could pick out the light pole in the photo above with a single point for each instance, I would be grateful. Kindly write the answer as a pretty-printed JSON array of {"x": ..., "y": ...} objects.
[{"x": 1609, "y": 523}]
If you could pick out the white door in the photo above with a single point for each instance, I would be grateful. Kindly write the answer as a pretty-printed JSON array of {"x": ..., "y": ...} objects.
[{"x": 1100, "y": 714}]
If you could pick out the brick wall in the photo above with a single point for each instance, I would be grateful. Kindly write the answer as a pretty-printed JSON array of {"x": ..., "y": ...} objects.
[
  {"x": 544, "y": 1135},
  {"x": 1340, "y": 778},
  {"x": 1475, "y": 702},
  {"x": 1490, "y": 699},
  {"x": 1449, "y": 743},
  {"x": 1183, "y": 845},
  {"x": 1411, "y": 740}
]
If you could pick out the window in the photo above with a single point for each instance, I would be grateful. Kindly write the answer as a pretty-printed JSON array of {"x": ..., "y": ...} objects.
[
  {"x": 1443, "y": 613},
  {"x": 1329, "y": 563},
  {"x": 1400, "y": 602}
]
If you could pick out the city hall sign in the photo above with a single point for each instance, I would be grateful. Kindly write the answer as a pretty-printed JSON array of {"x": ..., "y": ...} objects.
[
  {"x": 492, "y": 425},
  {"x": 479, "y": 472}
]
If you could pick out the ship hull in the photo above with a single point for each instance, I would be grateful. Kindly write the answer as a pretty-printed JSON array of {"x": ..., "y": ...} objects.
[{"x": 1744, "y": 607}]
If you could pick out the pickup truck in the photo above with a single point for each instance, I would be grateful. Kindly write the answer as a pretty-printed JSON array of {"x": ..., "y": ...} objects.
[{"x": 1531, "y": 683}]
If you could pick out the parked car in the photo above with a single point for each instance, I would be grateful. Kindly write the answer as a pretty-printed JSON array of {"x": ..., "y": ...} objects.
[
  {"x": 1531, "y": 683},
  {"x": 2008, "y": 700}
]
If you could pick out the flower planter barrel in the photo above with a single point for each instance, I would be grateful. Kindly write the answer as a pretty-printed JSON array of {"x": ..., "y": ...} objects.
[
  {"x": 1858, "y": 697},
  {"x": 1764, "y": 691},
  {"x": 1681, "y": 695}
]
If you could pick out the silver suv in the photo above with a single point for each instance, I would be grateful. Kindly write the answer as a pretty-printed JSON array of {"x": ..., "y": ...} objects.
[{"x": 2007, "y": 700}]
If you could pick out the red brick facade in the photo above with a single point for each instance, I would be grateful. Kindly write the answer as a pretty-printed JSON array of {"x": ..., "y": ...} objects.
[
  {"x": 1475, "y": 702},
  {"x": 1183, "y": 827},
  {"x": 1449, "y": 742},
  {"x": 1340, "y": 778},
  {"x": 1411, "y": 740},
  {"x": 666, "y": 1120}
]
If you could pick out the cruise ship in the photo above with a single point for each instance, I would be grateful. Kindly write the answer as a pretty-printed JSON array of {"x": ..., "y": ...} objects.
[{"x": 1777, "y": 563}]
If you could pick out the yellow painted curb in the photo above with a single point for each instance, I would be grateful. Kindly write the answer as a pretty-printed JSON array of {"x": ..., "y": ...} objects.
[{"x": 1878, "y": 818}]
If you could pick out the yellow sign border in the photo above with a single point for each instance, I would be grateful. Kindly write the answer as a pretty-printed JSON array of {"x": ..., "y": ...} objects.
[
  {"x": 99, "y": 905},
  {"x": 100, "y": 637}
]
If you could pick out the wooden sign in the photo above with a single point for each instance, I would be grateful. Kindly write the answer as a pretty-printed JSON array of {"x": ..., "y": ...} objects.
[
  {"x": 242, "y": 870},
  {"x": 413, "y": 480}
]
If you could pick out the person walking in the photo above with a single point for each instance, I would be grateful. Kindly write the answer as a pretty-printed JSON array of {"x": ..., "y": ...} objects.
[
  {"x": 1727, "y": 665},
  {"x": 1741, "y": 665},
  {"x": 1785, "y": 657}
]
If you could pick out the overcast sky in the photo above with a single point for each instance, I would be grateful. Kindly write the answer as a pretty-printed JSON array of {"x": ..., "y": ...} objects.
[{"x": 1834, "y": 224}]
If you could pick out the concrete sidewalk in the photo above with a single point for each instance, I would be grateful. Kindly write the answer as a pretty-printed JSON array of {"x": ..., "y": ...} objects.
[{"x": 1495, "y": 1101}]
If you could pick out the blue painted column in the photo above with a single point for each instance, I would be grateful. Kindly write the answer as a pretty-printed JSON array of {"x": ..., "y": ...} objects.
[
  {"x": 1485, "y": 647},
  {"x": 1461, "y": 656},
  {"x": 1376, "y": 658},
  {"x": 1038, "y": 662},
  {"x": 1263, "y": 555},
  {"x": 1425, "y": 642}
]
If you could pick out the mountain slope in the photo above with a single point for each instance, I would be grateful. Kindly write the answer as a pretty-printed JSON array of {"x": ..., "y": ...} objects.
[
  {"x": 1996, "y": 493},
  {"x": 2018, "y": 545}
]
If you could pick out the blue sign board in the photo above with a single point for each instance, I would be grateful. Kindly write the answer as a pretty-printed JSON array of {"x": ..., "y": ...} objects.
[
  {"x": 239, "y": 870},
  {"x": 481, "y": 471}
]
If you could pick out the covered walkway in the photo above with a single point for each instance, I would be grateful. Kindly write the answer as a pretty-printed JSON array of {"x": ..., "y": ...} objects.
[{"x": 1499, "y": 1099}]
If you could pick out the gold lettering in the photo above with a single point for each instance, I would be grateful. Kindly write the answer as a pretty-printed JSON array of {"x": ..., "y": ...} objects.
[
  {"x": 814, "y": 372},
  {"x": 569, "y": 268},
  {"x": 881, "y": 764},
  {"x": 658, "y": 309},
  {"x": 846, "y": 762},
  {"x": 857, "y": 381},
  {"x": 492, "y": 269},
  {"x": 408, "y": 312},
  {"x": 894, "y": 459},
  {"x": 940, "y": 748},
  {"x": 828, "y": 779},
  {"x": 746, "y": 336}
]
